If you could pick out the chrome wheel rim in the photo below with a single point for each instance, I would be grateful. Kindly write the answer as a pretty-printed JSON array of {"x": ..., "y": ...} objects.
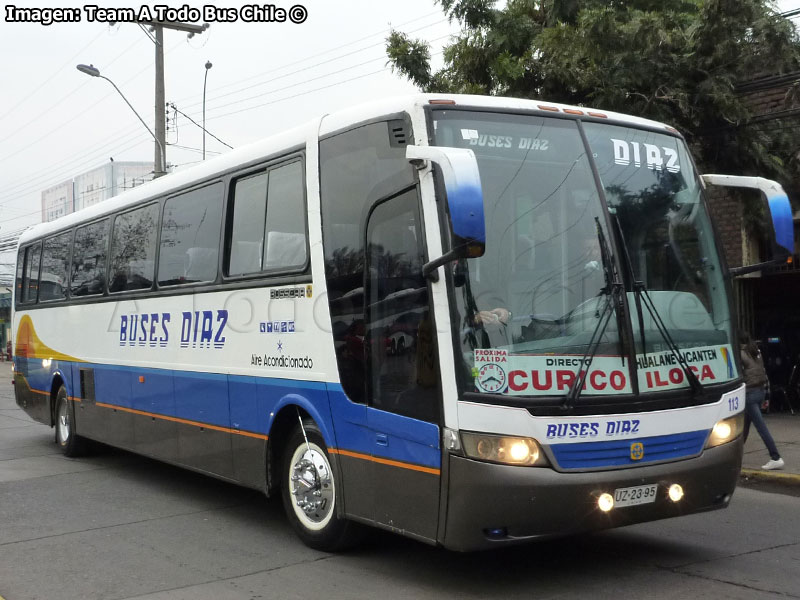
[
  {"x": 311, "y": 486},
  {"x": 62, "y": 423}
]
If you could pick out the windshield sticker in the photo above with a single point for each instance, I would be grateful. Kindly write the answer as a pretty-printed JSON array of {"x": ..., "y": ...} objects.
[
  {"x": 474, "y": 138},
  {"x": 661, "y": 370},
  {"x": 497, "y": 372},
  {"x": 655, "y": 158}
]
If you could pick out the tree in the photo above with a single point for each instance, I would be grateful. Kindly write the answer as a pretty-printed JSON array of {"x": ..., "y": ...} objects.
[{"x": 677, "y": 62}]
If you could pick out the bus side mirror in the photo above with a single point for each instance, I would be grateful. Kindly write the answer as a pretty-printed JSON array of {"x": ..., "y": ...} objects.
[
  {"x": 462, "y": 182},
  {"x": 782, "y": 237}
]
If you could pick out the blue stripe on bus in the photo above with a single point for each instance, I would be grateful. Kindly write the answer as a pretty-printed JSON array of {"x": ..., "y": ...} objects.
[
  {"x": 407, "y": 439},
  {"x": 251, "y": 405},
  {"x": 593, "y": 455}
]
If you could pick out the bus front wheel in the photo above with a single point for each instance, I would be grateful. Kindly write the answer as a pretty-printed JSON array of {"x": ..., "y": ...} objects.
[
  {"x": 70, "y": 443},
  {"x": 309, "y": 488}
]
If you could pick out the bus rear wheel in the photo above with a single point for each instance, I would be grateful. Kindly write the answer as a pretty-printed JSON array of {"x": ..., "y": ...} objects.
[
  {"x": 309, "y": 489},
  {"x": 70, "y": 443}
]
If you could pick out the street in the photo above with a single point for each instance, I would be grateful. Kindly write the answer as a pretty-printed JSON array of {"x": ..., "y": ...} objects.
[{"x": 117, "y": 526}]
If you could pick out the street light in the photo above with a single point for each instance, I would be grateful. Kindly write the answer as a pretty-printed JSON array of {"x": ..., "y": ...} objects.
[
  {"x": 205, "y": 78},
  {"x": 95, "y": 72}
]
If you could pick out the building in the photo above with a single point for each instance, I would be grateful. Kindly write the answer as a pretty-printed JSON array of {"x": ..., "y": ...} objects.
[
  {"x": 57, "y": 201},
  {"x": 766, "y": 300},
  {"x": 93, "y": 186}
]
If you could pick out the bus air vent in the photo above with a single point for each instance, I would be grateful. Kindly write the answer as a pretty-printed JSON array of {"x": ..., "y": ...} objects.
[{"x": 398, "y": 136}]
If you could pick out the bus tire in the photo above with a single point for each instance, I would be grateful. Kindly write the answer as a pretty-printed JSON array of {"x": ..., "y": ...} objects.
[
  {"x": 310, "y": 489},
  {"x": 71, "y": 444}
]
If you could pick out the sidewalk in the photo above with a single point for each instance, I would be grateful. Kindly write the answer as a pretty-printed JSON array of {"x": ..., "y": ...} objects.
[{"x": 785, "y": 429}]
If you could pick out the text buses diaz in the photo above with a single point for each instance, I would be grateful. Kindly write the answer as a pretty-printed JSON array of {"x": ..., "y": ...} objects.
[{"x": 472, "y": 320}]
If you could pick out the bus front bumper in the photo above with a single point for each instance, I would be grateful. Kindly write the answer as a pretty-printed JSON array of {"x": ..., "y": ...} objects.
[{"x": 490, "y": 505}]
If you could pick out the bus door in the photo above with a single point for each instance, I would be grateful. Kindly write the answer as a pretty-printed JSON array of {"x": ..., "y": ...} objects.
[{"x": 402, "y": 374}]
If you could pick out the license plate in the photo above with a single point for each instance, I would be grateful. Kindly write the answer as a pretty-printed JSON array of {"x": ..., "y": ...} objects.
[{"x": 632, "y": 496}]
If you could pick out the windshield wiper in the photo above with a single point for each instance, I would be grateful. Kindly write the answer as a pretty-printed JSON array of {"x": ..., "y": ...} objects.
[
  {"x": 613, "y": 292},
  {"x": 641, "y": 295}
]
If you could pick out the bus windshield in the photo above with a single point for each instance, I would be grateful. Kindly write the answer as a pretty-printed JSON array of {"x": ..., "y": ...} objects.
[{"x": 545, "y": 302}]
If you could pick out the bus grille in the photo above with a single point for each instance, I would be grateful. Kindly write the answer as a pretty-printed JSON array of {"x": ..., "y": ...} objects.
[{"x": 620, "y": 453}]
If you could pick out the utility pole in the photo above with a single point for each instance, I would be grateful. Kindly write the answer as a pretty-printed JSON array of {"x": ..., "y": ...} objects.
[
  {"x": 161, "y": 127},
  {"x": 160, "y": 99}
]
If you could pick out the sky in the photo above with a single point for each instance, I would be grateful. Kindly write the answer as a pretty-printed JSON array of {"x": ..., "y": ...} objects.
[{"x": 56, "y": 122}]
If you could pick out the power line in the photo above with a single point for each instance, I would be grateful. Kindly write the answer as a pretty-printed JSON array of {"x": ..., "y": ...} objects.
[
  {"x": 293, "y": 85},
  {"x": 48, "y": 178},
  {"x": 55, "y": 180},
  {"x": 190, "y": 149},
  {"x": 38, "y": 187},
  {"x": 307, "y": 58},
  {"x": 53, "y": 75},
  {"x": 257, "y": 106},
  {"x": 315, "y": 65},
  {"x": 58, "y": 102},
  {"x": 41, "y": 138},
  {"x": 14, "y": 190},
  {"x": 324, "y": 87},
  {"x": 65, "y": 123},
  {"x": 200, "y": 126}
]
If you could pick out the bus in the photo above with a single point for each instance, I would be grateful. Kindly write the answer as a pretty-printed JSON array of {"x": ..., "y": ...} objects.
[{"x": 474, "y": 321}]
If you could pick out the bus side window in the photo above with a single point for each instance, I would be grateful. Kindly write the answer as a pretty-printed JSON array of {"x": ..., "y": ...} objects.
[
  {"x": 133, "y": 250},
  {"x": 89, "y": 259},
  {"x": 267, "y": 223},
  {"x": 20, "y": 272},
  {"x": 285, "y": 246},
  {"x": 190, "y": 236},
  {"x": 55, "y": 268},
  {"x": 30, "y": 274},
  {"x": 247, "y": 211},
  {"x": 404, "y": 374}
]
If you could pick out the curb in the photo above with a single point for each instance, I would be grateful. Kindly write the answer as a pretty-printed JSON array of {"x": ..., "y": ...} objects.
[{"x": 771, "y": 476}]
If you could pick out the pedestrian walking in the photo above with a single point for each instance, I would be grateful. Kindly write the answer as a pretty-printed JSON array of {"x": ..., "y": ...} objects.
[{"x": 755, "y": 377}]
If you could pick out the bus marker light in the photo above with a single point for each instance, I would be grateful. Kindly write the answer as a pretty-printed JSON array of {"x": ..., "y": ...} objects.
[
  {"x": 605, "y": 502},
  {"x": 675, "y": 492},
  {"x": 441, "y": 101},
  {"x": 496, "y": 532}
]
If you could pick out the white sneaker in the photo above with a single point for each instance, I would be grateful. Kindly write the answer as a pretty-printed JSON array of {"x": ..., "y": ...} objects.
[{"x": 773, "y": 464}]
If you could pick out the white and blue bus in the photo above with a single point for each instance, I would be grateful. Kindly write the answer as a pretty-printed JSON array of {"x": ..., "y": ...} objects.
[{"x": 473, "y": 321}]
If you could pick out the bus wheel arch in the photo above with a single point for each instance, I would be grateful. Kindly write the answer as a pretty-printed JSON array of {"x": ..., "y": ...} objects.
[
  {"x": 281, "y": 428},
  {"x": 70, "y": 443},
  {"x": 56, "y": 384}
]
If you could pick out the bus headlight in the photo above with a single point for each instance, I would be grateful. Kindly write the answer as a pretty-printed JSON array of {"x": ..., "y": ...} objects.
[
  {"x": 503, "y": 449},
  {"x": 726, "y": 431}
]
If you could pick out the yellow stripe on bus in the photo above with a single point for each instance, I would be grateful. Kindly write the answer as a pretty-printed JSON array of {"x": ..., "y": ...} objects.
[
  {"x": 259, "y": 436},
  {"x": 385, "y": 461}
]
